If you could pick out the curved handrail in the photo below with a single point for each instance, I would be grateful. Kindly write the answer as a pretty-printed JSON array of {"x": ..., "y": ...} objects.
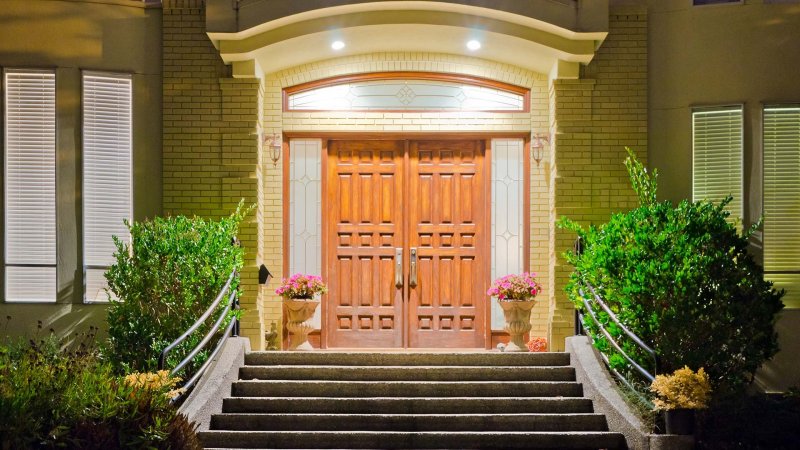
[
  {"x": 645, "y": 373},
  {"x": 614, "y": 317},
  {"x": 595, "y": 298},
  {"x": 231, "y": 330},
  {"x": 162, "y": 358}
]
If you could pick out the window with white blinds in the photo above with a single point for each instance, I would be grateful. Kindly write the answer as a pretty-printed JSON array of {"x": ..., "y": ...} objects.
[
  {"x": 717, "y": 156},
  {"x": 30, "y": 185},
  {"x": 107, "y": 147},
  {"x": 782, "y": 199}
]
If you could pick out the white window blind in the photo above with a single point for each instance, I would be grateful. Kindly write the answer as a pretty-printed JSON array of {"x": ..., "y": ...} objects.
[
  {"x": 30, "y": 185},
  {"x": 717, "y": 161},
  {"x": 782, "y": 199},
  {"x": 106, "y": 174}
]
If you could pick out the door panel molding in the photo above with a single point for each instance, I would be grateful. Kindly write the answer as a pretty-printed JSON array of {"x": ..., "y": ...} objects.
[{"x": 452, "y": 241}]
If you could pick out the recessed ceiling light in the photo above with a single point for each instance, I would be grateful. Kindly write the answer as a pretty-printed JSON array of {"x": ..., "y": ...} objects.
[
  {"x": 337, "y": 45},
  {"x": 473, "y": 45}
]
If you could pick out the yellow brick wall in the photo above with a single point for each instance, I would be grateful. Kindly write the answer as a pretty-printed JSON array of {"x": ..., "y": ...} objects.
[
  {"x": 209, "y": 154},
  {"x": 275, "y": 120},
  {"x": 594, "y": 119}
]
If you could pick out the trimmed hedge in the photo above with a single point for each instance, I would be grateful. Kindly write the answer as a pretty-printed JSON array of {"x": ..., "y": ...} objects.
[
  {"x": 680, "y": 277},
  {"x": 163, "y": 281}
]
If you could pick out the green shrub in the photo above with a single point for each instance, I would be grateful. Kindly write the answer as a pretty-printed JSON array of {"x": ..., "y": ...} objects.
[
  {"x": 680, "y": 277},
  {"x": 71, "y": 399},
  {"x": 163, "y": 281}
]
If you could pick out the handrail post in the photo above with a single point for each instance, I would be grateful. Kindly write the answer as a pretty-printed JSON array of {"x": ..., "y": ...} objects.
[
  {"x": 578, "y": 324},
  {"x": 235, "y": 307}
]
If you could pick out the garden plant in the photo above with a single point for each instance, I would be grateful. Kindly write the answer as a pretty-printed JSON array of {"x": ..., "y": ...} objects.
[
  {"x": 163, "y": 281},
  {"x": 51, "y": 397},
  {"x": 681, "y": 278}
]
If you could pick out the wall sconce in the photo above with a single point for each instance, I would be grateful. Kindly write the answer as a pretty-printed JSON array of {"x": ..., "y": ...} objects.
[
  {"x": 538, "y": 143},
  {"x": 273, "y": 143}
]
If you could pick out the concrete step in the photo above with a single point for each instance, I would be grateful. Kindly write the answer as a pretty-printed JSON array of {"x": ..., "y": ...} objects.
[
  {"x": 407, "y": 359},
  {"x": 404, "y": 405},
  {"x": 416, "y": 439},
  {"x": 316, "y": 388},
  {"x": 409, "y": 422},
  {"x": 409, "y": 373}
]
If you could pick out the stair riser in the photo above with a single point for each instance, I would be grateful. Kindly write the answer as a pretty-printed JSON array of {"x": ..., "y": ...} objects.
[
  {"x": 379, "y": 373},
  {"x": 393, "y": 440},
  {"x": 407, "y": 359},
  {"x": 404, "y": 389},
  {"x": 408, "y": 406},
  {"x": 338, "y": 422}
]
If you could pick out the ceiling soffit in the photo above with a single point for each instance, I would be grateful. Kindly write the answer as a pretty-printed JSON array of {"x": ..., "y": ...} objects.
[{"x": 436, "y": 27}]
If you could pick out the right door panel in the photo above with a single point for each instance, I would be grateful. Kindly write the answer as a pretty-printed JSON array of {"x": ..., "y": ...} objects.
[{"x": 447, "y": 225}]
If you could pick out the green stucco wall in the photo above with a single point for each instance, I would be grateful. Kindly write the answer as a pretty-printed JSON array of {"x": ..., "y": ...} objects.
[{"x": 69, "y": 37}]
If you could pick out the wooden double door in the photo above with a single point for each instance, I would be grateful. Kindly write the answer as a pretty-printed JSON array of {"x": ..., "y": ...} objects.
[{"x": 407, "y": 244}]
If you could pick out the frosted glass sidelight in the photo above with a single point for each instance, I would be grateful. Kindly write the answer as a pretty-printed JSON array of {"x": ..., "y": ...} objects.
[
  {"x": 30, "y": 185},
  {"x": 507, "y": 214},
  {"x": 406, "y": 95},
  {"x": 305, "y": 210}
]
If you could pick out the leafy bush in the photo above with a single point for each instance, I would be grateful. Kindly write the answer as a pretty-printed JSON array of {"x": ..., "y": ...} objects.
[
  {"x": 71, "y": 399},
  {"x": 684, "y": 389},
  {"x": 681, "y": 279},
  {"x": 163, "y": 281}
]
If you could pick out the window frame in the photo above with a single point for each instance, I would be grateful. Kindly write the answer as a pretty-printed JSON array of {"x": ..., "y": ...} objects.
[
  {"x": 4, "y": 181},
  {"x": 721, "y": 107},
  {"x": 765, "y": 238},
  {"x": 723, "y": 3},
  {"x": 82, "y": 233},
  {"x": 524, "y": 92}
]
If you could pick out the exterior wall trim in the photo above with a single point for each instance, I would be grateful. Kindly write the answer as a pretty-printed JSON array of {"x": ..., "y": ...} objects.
[{"x": 492, "y": 337}]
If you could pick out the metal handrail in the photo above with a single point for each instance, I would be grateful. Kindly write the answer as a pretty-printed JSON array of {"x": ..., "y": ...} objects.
[
  {"x": 636, "y": 340},
  {"x": 645, "y": 373},
  {"x": 231, "y": 330},
  {"x": 578, "y": 249},
  {"x": 162, "y": 358}
]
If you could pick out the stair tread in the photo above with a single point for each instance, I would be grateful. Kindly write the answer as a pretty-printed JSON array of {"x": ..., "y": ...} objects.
[
  {"x": 385, "y": 367},
  {"x": 456, "y": 415},
  {"x": 408, "y": 400},
  {"x": 410, "y": 404},
  {"x": 407, "y": 358},
  {"x": 350, "y": 382},
  {"x": 414, "y": 439}
]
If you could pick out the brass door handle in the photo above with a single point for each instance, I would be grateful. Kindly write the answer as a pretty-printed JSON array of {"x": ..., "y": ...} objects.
[
  {"x": 398, "y": 268},
  {"x": 412, "y": 278}
]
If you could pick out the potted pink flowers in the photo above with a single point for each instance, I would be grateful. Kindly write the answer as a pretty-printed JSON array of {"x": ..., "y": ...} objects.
[
  {"x": 516, "y": 294},
  {"x": 298, "y": 292}
]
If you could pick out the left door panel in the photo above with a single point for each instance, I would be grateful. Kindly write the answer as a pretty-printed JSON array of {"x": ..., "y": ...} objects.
[{"x": 365, "y": 208}]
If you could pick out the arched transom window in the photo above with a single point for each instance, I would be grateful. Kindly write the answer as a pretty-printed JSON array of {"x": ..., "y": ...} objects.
[{"x": 406, "y": 92}]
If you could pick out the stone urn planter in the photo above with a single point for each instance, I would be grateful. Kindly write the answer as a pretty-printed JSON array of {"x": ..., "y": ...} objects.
[
  {"x": 298, "y": 312},
  {"x": 518, "y": 322}
]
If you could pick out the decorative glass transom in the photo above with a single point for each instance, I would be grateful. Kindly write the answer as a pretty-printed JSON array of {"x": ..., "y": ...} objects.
[{"x": 405, "y": 95}]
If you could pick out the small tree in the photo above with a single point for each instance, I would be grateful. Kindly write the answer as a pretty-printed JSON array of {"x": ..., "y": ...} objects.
[
  {"x": 680, "y": 277},
  {"x": 163, "y": 281}
]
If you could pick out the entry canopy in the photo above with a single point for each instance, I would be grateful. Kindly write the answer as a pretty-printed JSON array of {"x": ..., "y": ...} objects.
[{"x": 546, "y": 36}]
